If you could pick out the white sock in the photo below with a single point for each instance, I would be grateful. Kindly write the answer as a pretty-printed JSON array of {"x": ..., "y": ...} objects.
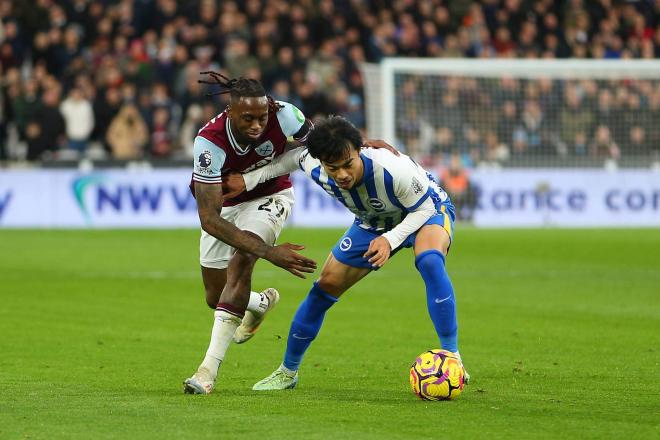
[
  {"x": 224, "y": 326},
  {"x": 288, "y": 372},
  {"x": 258, "y": 303}
]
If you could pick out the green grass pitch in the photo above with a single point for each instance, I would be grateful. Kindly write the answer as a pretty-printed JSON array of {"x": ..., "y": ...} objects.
[{"x": 560, "y": 330}]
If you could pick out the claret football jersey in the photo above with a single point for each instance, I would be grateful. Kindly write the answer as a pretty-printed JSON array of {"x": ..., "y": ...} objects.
[{"x": 216, "y": 151}]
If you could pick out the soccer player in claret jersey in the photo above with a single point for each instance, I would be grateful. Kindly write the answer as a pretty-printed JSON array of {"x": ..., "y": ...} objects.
[
  {"x": 236, "y": 231},
  {"x": 396, "y": 204}
]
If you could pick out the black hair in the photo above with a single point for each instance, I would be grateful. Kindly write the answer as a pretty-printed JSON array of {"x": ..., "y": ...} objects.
[
  {"x": 331, "y": 139},
  {"x": 238, "y": 88}
]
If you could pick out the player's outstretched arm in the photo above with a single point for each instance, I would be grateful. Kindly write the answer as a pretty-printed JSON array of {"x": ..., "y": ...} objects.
[
  {"x": 209, "y": 205},
  {"x": 235, "y": 184}
]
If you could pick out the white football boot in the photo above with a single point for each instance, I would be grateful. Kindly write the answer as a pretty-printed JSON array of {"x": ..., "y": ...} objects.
[
  {"x": 200, "y": 383},
  {"x": 252, "y": 321},
  {"x": 466, "y": 375},
  {"x": 278, "y": 380}
]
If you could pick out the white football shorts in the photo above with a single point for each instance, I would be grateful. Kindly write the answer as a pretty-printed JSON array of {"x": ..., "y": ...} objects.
[{"x": 264, "y": 216}]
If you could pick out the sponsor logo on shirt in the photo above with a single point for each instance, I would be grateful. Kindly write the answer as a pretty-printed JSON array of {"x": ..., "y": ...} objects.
[{"x": 377, "y": 204}]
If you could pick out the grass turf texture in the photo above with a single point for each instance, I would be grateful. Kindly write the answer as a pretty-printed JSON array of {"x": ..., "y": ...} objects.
[{"x": 559, "y": 329}]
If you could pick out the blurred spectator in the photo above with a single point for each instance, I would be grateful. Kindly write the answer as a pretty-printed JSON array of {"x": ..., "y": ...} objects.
[
  {"x": 237, "y": 57},
  {"x": 24, "y": 104},
  {"x": 78, "y": 119},
  {"x": 46, "y": 131},
  {"x": 106, "y": 107},
  {"x": 496, "y": 151},
  {"x": 191, "y": 125},
  {"x": 603, "y": 146},
  {"x": 637, "y": 141},
  {"x": 530, "y": 132},
  {"x": 349, "y": 106},
  {"x": 606, "y": 112},
  {"x": 507, "y": 122},
  {"x": 127, "y": 134},
  {"x": 449, "y": 115},
  {"x": 455, "y": 180},
  {"x": 576, "y": 121},
  {"x": 162, "y": 139}
]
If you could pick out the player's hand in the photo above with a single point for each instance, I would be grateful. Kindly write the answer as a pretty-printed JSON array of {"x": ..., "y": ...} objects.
[
  {"x": 233, "y": 185},
  {"x": 378, "y": 143},
  {"x": 379, "y": 251},
  {"x": 285, "y": 257}
]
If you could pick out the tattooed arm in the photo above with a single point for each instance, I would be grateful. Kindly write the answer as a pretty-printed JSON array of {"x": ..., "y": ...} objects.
[{"x": 209, "y": 205}]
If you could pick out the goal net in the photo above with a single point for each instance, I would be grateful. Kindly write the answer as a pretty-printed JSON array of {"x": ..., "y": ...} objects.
[{"x": 547, "y": 113}]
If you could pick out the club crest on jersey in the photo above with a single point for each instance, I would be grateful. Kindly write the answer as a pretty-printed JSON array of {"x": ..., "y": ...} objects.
[
  {"x": 377, "y": 204},
  {"x": 265, "y": 149},
  {"x": 204, "y": 159},
  {"x": 346, "y": 244}
]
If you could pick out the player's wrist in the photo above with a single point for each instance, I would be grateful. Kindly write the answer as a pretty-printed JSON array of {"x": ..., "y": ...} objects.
[
  {"x": 389, "y": 240},
  {"x": 264, "y": 251}
]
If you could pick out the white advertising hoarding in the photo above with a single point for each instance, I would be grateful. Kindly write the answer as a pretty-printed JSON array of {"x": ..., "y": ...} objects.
[
  {"x": 113, "y": 198},
  {"x": 160, "y": 198},
  {"x": 121, "y": 198},
  {"x": 572, "y": 198}
]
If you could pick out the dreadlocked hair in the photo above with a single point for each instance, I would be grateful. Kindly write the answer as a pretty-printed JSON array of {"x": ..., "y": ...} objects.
[{"x": 239, "y": 88}]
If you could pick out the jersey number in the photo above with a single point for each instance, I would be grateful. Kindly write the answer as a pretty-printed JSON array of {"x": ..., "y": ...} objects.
[{"x": 273, "y": 204}]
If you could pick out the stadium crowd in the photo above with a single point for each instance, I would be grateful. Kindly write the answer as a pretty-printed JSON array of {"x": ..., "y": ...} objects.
[
  {"x": 119, "y": 79},
  {"x": 492, "y": 120}
]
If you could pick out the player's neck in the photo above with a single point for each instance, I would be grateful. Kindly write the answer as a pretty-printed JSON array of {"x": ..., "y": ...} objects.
[
  {"x": 242, "y": 142},
  {"x": 240, "y": 139}
]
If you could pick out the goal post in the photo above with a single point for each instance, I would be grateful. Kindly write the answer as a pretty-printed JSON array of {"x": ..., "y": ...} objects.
[{"x": 518, "y": 112}]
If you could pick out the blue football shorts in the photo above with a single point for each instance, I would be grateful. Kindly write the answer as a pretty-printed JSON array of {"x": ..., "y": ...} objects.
[{"x": 354, "y": 243}]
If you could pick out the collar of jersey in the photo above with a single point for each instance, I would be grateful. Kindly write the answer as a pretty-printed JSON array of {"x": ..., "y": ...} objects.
[
  {"x": 232, "y": 140},
  {"x": 367, "y": 169}
]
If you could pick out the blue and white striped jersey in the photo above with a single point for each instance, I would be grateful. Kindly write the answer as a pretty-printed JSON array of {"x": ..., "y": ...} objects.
[{"x": 392, "y": 186}]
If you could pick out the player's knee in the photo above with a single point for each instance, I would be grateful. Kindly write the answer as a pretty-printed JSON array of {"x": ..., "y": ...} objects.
[
  {"x": 428, "y": 261},
  {"x": 331, "y": 284},
  {"x": 212, "y": 293},
  {"x": 212, "y": 302}
]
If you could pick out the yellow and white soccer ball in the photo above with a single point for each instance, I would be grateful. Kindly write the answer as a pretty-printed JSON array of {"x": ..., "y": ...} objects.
[{"x": 437, "y": 375}]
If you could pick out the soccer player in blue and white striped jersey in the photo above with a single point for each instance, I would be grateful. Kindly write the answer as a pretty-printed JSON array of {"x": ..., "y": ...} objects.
[{"x": 396, "y": 204}]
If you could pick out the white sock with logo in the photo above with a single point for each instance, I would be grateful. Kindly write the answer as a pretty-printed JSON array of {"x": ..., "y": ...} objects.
[
  {"x": 224, "y": 327},
  {"x": 258, "y": 303}
]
